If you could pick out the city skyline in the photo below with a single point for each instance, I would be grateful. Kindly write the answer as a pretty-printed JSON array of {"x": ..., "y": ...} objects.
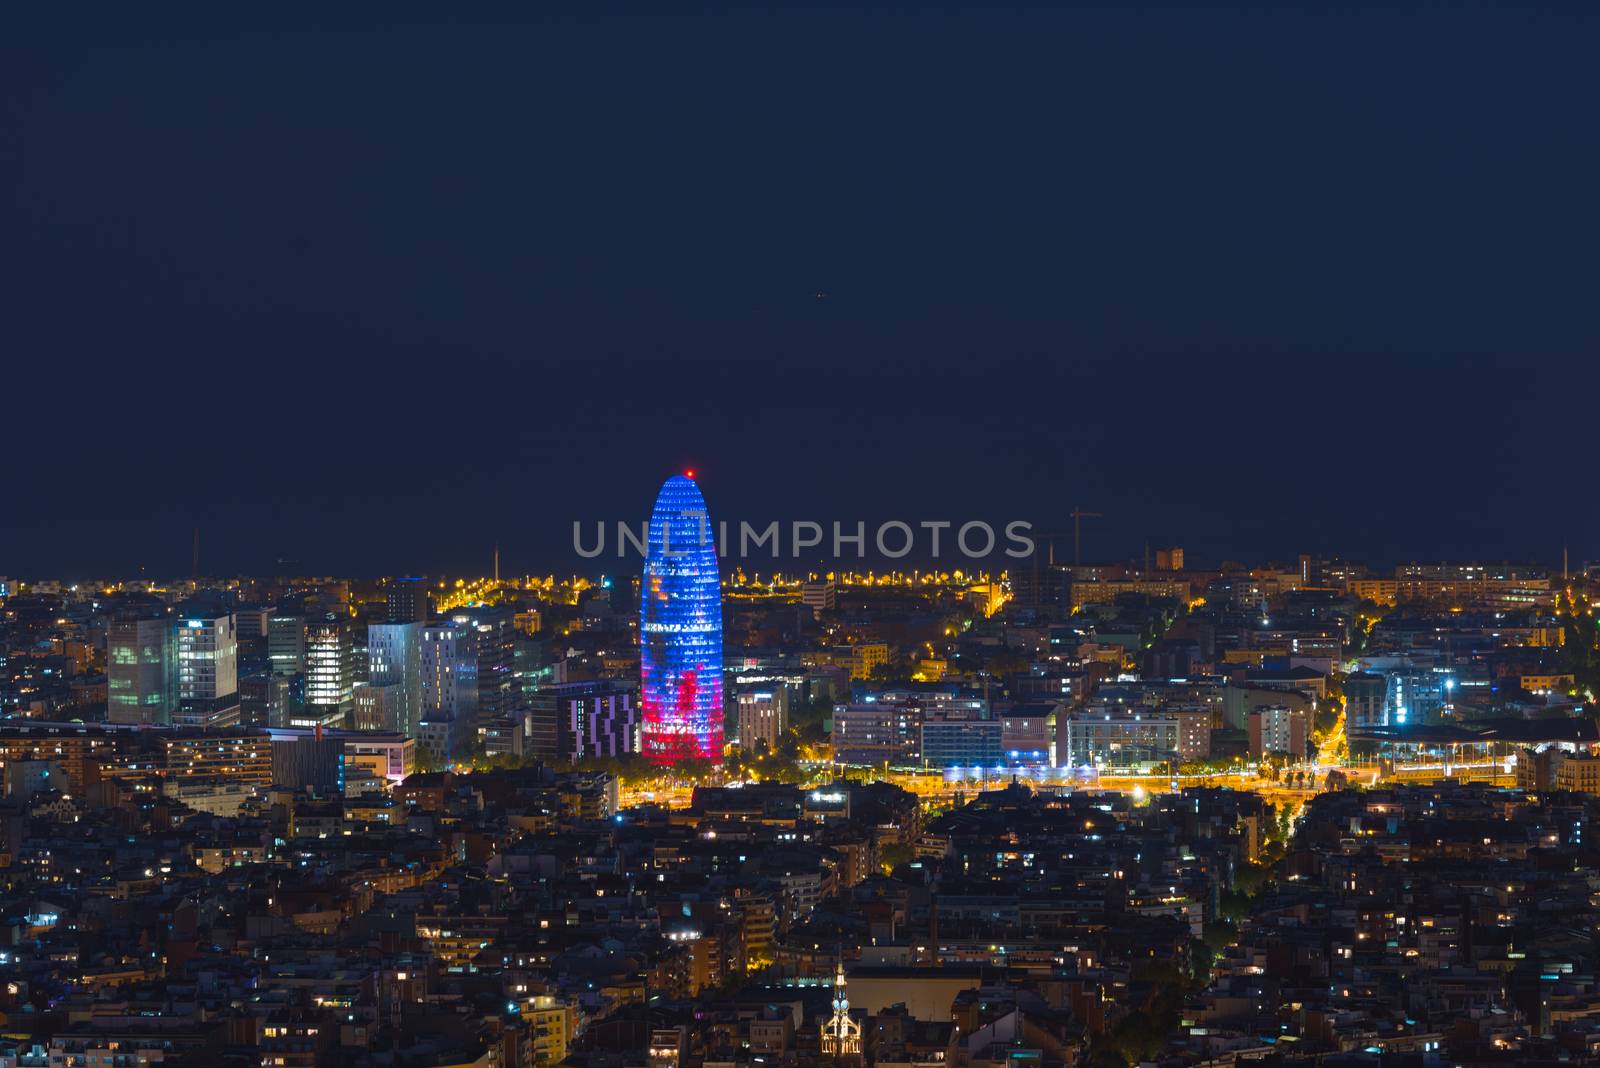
[
  {"x": 810, "y": 536},
  {"x": 1095, "y": 769}
]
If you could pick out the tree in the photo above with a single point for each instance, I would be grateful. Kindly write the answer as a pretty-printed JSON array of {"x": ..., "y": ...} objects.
[
  {"x": 694, "y": 768},
  {"x": 1220, "y": 934},
  {"x": 1142, "y": 1034},
  {"x": 1136, "y": 1037},
  {"x": 897, "y": 669},
  {"x": 781, "y": 769},
  {"x": 806, "y": 720},
  {"x": 1252, "y": 879},
  {"x": 895, "y": 854},
  {"x": 1201, "y": 956},
  {"x": 1326, "y": 716}
]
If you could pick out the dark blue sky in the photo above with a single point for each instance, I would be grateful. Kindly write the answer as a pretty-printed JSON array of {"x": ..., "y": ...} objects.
[{"x": 1256, "y": 279}]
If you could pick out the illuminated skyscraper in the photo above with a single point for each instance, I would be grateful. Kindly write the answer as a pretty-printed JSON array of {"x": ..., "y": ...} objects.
[
  {"x": 330, "y": 674},
  {"x": 680, "y": 630},
  {"x": 208, "y": 668}
]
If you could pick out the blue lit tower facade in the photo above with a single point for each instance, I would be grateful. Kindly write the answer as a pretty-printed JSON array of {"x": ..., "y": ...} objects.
[{"x": 680, "y": 630}]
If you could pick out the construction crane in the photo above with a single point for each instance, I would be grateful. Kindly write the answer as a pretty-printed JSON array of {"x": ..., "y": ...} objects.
[
  {"x": 1078, "y": 516},
  {"x": 1049, "y": 536}
]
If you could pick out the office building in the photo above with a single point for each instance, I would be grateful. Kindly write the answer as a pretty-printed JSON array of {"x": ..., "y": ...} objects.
[
  {"x": 304, "y": 761},
  {"x": 286, "y": 643},
  {"x": 330, "y": 673},
  {"x": 449, "y": 659},
  {"x": 252, "y": 621},
  {"x": 1120, "y": 739},
  {"x": 374, "y": 707},
  {"x": 394, "y": 662},
  {"x": 680, "y": 629},
  {"x": 408, "y": 600},
  {"x": 141, "y": 671},
  {"x": 542, "y": 717},
  {"x": 877, "y": 733},
  {"x": 1419, "y": 690},
  {"x": 499, "y": 738},
  {"x": 264, "y": 700},
  {"x": 495, "y": 642},
  {"x": 208, "y": 669},
  {"x": 958, "y": 737}
]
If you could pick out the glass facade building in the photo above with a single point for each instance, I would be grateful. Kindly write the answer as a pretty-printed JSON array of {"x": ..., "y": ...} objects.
[
  {"x": 1117, "y": 741},
  {"x": 141, "y": 671},
  {"x": 330, "y": 674},
  {"x": 960, "y": 742},
  {"x": 680, "y": 630},
  {"x": 394, "y": 652}
]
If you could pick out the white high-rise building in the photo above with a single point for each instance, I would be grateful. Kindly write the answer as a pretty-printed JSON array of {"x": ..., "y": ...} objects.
[
  {"x": 330, "y": 673},
  {"x": 208, "y": 669}
]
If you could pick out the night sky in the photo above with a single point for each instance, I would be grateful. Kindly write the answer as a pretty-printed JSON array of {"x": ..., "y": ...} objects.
[{"x": 373, "y": 296}]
